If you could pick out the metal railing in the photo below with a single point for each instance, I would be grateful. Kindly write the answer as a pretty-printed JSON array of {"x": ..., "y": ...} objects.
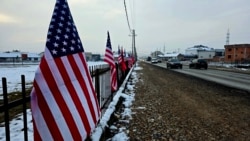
[{"x": 96, "y": 73}]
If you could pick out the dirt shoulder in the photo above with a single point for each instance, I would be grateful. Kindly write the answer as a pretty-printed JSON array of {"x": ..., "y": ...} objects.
[{"x": 173, "y": 106}]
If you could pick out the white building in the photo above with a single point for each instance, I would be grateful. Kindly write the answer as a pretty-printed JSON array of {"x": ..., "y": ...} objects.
[
  {"x": 19, "y": 57},
  {"x": 168, "y": 56},
  {"x": 194, "y": 50},
  {"x": 206, "y": 54}
]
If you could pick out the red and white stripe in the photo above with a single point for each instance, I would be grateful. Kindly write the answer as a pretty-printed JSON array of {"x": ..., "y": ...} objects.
[
  {"x": 109, "y": 58},
  {"x": 64, "y": 103},
  {"x": 121, "y": 60}
]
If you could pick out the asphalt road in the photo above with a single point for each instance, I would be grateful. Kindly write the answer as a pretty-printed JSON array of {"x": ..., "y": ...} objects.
[{"x": 232, "y": 79}]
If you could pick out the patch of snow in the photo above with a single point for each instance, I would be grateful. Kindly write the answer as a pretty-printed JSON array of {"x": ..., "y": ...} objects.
[{"x": 120, "y": 137}]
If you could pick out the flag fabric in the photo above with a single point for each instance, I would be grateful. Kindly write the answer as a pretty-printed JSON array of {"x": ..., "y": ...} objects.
[
  {"x": 63, "y": 100},
  {"x": 119, "y": 55},
  {"x": 121, "y": 60},
  {"x": 109, "y": 58},
  {"x": 130, "y": 61}
]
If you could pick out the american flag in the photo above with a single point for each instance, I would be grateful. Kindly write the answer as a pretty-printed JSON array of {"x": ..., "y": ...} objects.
[
  {"x": 121, "y": 59},
  {"x": 119, "y": 55},
  {"x": 109, "y": 58},
  {"x": 130, "y": 60},
  {"x": 63, "y": 100}
]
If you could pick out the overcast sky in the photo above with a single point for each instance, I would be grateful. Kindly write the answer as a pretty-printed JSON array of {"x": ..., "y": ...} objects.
[{"x": 177, "y": 24}]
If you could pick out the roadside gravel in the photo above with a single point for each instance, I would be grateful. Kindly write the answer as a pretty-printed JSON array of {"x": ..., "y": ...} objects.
[{"x": 172, "y": 106}]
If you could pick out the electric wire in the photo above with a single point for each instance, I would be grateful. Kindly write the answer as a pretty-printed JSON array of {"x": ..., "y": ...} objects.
[
  {"x": 127, "y": 16},
  {"x": 132, "y": 7}
]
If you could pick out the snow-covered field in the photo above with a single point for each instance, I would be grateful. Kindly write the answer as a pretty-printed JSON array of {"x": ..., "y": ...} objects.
[{"x": 13, "y": 75}]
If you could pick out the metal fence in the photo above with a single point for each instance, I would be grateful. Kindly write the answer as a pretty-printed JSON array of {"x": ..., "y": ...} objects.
[{"x": 100, "y": 77}]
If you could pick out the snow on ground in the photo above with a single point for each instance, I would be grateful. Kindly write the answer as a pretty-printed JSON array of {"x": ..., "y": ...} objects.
[
  {"x": 16, "y": 125},
  {"x": 129, "y": 98},
  {"x": 13, "y": 73}
]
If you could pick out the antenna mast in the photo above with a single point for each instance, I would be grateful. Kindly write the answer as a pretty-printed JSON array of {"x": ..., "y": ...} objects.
[{"x": 228, "y": 36}]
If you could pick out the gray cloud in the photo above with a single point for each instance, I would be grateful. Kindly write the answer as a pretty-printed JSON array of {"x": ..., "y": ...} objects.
[{"x": 176, "y": 23}]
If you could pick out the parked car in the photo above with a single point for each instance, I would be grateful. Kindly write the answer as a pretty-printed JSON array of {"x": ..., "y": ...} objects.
[
  {"x": 154, "y": 60},
  {"x": 174, "y": 63},
  {"x": 198, "y": 64},
  {"x": 149, "y": 58}
]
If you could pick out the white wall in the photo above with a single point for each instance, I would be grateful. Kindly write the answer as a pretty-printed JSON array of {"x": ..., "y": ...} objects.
[
  {"x": 206, "y": 54},
  {"x": 191, "y": 51}
]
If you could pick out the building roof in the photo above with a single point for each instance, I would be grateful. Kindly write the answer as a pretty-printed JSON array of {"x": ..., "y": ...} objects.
[
  {"x": 200, "y": 47},
  {"x": 200, "y": 50},
  {"x": 33, "y": 55},
  {"x": 237, "y": 45},
  {"x": 18, "y": 54},
  {"x": 10, "y": 54},
  {"x": 219, "y": 50}
]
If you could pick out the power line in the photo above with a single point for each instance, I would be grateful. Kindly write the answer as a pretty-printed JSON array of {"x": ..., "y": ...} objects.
[
  {"x": 127, "y": 16},
  {"x": 134, "y": 52},
  {"x": 132, "y": 7}
]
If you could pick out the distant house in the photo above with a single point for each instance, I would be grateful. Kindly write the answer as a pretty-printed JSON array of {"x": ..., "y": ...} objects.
[
  {"x": 93, "y": 57},
  {"x": 206, "y": 54},
  {"x": 88, "y": 56},
  {"x": 237, "y": 53},
  {"x": 96, "y": 57},
  {"x": 194, "y": 50},
  {"x": 219, "y": 55},
  {"x": 10, "y": 57},
  {"x": 219, "y": 52},
  {"x": 156, "y": 54},
  {"x": 30, "y": 57},
  {"x": 19, "y": 57},
  {"x": 168, "y": 56}
]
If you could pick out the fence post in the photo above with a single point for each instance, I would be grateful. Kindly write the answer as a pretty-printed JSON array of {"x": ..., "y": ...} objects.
[
  {"x": 24, "y": 109},
  {"x": 6, "y": 110},
  {"x": 117, "y": 75},
  {"x": 97, "y": 85}
]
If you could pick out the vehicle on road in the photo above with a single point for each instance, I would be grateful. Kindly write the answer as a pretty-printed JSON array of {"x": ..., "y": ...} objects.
[
  {"x": 198, "y": 64},
  {"x": 174, "y": 63},
  {"x": 154, "y": 60}
]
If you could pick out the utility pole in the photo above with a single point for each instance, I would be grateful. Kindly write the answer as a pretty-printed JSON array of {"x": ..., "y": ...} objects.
[{"x": 134, "y": 53}]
